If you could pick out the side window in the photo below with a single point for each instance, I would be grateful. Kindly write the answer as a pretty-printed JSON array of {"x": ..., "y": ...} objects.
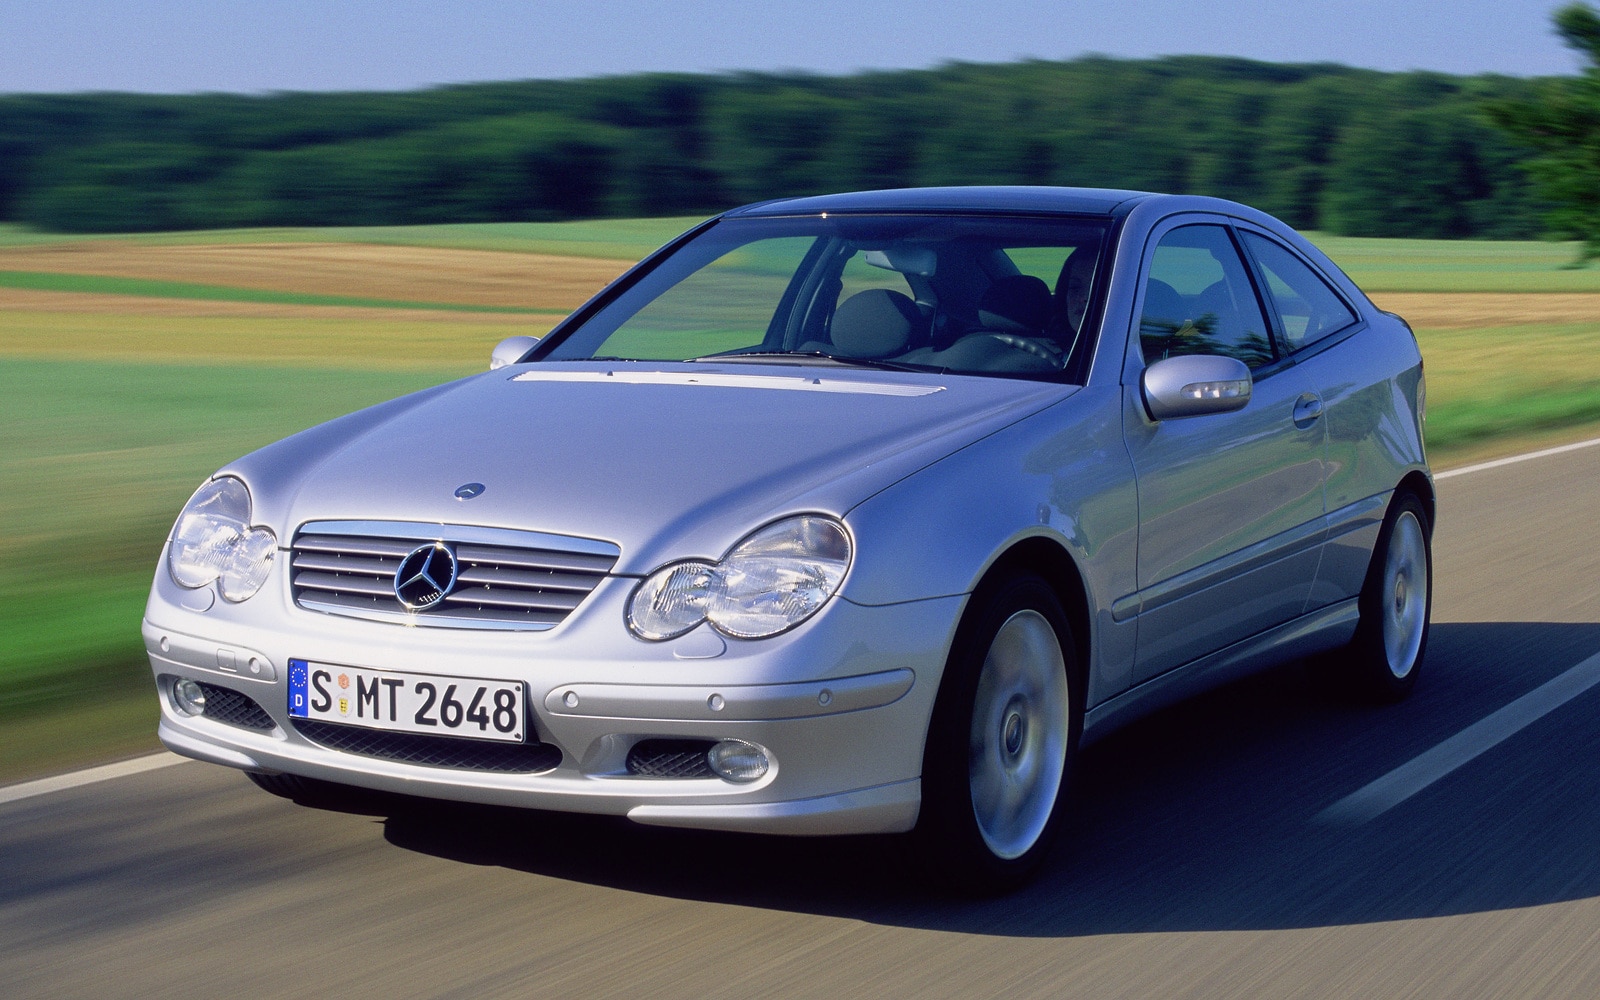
[
  {"x": 1198, "y": 300},
  {"x": 1309, "y": 309}
]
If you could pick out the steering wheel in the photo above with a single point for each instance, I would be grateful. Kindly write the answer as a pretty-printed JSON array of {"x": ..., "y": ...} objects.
[{"x": 1032, "y": 345}]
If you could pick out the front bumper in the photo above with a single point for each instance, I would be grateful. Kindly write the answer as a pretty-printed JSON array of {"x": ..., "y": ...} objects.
[{"x": 841, "y": 706}]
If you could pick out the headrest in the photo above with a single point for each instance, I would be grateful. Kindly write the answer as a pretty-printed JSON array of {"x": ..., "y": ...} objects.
[
  {"x": 1016, "y": 304},
  {"x": 875, "y": 323},
  {"x": 1163, "y": 306}
]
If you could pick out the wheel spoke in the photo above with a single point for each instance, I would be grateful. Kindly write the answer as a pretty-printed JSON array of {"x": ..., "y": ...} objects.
[
  {"x": 1017, "y": 743},
  {"x": 1405, "y": 594}
]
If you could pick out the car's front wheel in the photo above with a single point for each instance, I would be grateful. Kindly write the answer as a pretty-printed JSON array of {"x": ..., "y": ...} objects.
[
  {"x": 1396, "y": 604},
  {"x": 1004, "y": 732}
]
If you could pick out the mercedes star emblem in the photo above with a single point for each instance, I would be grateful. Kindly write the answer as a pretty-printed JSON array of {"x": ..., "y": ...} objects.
[{"x": 425, "y": 576}]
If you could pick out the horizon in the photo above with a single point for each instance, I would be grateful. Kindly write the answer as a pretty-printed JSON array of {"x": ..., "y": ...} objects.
[
  {"x": 791, "y": 73},
  {"x": 302, "y": 46}
]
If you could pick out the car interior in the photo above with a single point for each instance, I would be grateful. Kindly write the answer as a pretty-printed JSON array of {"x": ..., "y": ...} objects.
[
  {"x": 964, "y": 308},
  {"x": 1003, "y": 297}
]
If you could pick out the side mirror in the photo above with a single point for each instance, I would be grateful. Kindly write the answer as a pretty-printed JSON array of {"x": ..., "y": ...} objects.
[
  {"x": 1192, "y": 384},
  {"x": 510, "y": 350}
]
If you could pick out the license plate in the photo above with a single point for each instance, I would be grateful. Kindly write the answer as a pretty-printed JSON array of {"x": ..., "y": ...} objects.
[{"x": 474, "y": 707}]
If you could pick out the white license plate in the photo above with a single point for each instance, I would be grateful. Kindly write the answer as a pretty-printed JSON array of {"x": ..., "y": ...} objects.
[{"x": 474, "y": 707}]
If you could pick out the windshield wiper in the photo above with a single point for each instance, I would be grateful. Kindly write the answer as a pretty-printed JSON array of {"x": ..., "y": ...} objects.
[{"x": 840, "y": 359}]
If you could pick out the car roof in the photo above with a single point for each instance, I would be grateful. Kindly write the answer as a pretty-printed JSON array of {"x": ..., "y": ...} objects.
[{"x": 1014, "y": 199}]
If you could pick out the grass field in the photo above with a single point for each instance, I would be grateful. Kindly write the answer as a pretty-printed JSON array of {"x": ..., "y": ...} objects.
[
  {"x": 132, "y": 367},
  {"x": 608, "y": 239},
  {"x": 96, "y": 457},
  {"x": 1459, "y": 265},
  {"x": 44, "y": 281},
  {"x": 1378, "y": 265}
]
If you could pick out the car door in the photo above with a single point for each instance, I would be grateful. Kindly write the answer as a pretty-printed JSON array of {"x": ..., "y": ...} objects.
[
  {"x": 1230, "y": 504},
  {"x": 1324, "y": 335}
]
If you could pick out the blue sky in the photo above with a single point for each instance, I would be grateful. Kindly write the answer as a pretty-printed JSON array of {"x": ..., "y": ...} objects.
[{"x": 232, "y": 45}]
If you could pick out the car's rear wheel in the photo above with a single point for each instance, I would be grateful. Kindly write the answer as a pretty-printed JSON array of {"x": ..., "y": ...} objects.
[
  {"x": 1004, "y": 732},
  {"x": 1396, "y": 605}
]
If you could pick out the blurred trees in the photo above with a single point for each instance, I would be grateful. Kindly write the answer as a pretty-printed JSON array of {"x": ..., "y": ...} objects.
[
  {"x": 1561, "y": 120},
  {"x": 1322, "y": 146}
]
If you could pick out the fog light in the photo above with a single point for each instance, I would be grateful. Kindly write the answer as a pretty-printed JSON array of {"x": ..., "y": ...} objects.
[
  {"x": 737, "y": 760},
  {"x": 188, "y": 697}
]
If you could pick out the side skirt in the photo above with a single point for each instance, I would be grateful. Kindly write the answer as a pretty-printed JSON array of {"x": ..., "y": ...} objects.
[{"x": 1321, "y": 630}]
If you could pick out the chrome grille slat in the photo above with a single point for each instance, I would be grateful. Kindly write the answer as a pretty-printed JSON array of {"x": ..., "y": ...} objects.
[
  {"x": 532, "y": 616},
  {"x": 395, "y": 548},
  {"x": 455, "y": 617},
  {"x": 337, "y": 602},
  {"x": 514, "y": 599},
  {"x": 345, "y": 584},
  {"x": 498, "y": 576},
  {"x": 497, "y": 586},
  {"x": 543, "y": 559},
  {"x": 333, "y": 563}
]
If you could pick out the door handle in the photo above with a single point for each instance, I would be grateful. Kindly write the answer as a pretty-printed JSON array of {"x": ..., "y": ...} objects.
[{"x": 1307, "y": 409}]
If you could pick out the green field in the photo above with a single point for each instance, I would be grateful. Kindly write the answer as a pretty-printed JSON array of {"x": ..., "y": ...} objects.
[
  {"x": 109, "y": 420},
  {"x": 1459, "y": 265},
  {"x": 611, "y": 239},
  {"x": 96, "y": 284},
  {"x": 96, "y": 457},
  {"x": 99, "y": 456},
  {"x": 1378, "y": 265}
]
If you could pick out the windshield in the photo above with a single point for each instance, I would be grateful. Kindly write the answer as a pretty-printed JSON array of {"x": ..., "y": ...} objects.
[{"x": 966, "y": 294}]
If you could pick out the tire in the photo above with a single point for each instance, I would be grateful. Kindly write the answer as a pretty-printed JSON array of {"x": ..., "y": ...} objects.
[
  {"x": 1002, "y": 739},
  {"x": 1396, "y": 605}
]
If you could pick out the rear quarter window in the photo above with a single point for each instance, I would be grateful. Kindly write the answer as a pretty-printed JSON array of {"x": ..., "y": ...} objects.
[{"x": 1308, "y": 309}]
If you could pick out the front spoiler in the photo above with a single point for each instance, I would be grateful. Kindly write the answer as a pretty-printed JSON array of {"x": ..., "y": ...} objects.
[{"x": 888, "y": 808}]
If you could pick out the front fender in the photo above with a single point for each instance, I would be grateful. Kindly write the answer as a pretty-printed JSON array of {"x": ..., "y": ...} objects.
[{"x": 1063, "y": 474}]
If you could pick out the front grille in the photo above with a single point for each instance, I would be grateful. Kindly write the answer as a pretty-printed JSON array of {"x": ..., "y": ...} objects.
[
  {"x": 432, "y": 751},
  {"x": 670, "y": 759},
  {"x": 505, "y": 579},
  {"x": 235, "y": 709}
]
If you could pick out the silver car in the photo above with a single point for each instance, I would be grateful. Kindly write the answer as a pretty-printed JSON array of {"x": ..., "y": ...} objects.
[{"x": 843, "y": 514}]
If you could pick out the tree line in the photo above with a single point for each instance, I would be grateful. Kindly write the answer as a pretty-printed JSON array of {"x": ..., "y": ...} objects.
[{"x": 1327, "y": 147}]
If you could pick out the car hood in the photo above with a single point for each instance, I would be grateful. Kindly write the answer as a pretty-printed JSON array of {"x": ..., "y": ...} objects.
[{"x": 667, "y": 462}]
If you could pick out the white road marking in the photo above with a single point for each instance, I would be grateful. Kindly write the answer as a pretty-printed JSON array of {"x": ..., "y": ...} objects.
[
  {"x": 77, "y": 779},
  {"x": 1408, "y": 779},
  {"x": 1497, "y": 463}
]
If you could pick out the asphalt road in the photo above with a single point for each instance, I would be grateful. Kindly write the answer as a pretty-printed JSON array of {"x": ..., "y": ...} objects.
[{"x": 1194, "y": 865}]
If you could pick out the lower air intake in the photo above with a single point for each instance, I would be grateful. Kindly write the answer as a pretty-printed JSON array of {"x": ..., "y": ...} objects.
[
  {"x": 432, "y": 751},
  {"x": 229, "y": 706},
  {"x": 670, "y": 759}
]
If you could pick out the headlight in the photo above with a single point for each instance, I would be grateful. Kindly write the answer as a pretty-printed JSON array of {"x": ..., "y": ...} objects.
[
  {"x": 248, "y": 564},
  {"x": 769, "y": 583},
  {"x": 213, "y": 541}
]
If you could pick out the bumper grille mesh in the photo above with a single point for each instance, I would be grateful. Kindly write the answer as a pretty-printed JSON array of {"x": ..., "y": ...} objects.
[
  {"x": 432, "y": 751},
  {"x": 343, "y": 571},
  {"x": 235, "y": 709},
  {"x": 670, "y": 759}
]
